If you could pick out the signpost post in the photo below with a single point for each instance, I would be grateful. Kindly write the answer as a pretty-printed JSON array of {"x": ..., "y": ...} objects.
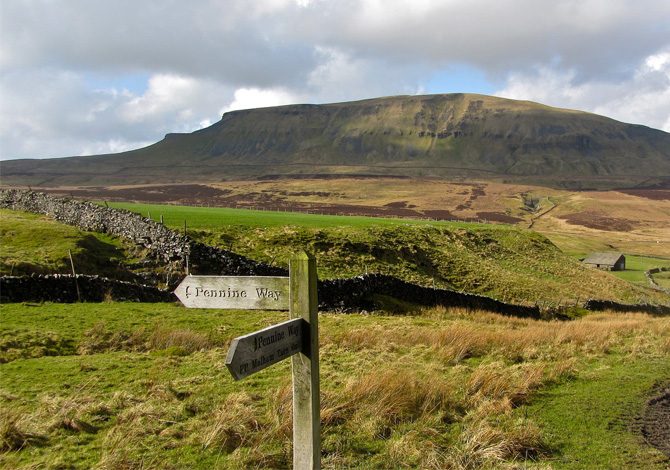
[{"x": 297, "y": 338}]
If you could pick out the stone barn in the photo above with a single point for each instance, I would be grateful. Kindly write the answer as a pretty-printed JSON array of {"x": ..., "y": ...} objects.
[{"x": 606, "y": 261}]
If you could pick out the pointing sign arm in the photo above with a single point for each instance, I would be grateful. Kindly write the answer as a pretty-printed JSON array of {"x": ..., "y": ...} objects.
[
  {"x": 256, "y": 351},
  {"x": 234, "y": 292}
]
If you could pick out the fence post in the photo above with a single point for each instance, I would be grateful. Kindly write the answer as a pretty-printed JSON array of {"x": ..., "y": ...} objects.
[
  {"x": 74, "y": 275},
  {"x": 305, "y": 365}
]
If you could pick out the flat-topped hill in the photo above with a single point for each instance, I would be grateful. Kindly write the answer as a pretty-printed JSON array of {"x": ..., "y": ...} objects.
[{"x": 453, "y": 135}]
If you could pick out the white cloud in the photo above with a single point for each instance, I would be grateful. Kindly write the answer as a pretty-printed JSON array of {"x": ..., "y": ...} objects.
[
  {"x": 206, "y": 56},
  {"x": 643, "y": 98},
  {"x": 248, "y": 98},
  {"x": 55, "y": 113}
]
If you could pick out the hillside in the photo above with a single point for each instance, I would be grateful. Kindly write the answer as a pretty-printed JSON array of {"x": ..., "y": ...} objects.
[
  {"x": 455, "y": 135},
  {"x": 511, "y": 265}
]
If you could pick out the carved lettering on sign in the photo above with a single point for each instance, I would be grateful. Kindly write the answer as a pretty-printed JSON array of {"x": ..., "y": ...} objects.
[
  {"x": 238, "y": 292},
  {"x": 256, "y": 351}
]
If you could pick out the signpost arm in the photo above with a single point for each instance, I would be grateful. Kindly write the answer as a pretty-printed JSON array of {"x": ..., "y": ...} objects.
[{"x": 305, "y": 365}]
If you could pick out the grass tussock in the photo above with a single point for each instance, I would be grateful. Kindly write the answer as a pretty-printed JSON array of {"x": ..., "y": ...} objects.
[
  {"x": 16, "y": 431},
  {"x": 482, "y": 445},
  {"x": 388, "y": 397},
  {"x": 233, "y": 423},
  {"x": 102, "y": 338},
  {"x": 186, "y": 341},
  {"x": 72, "y": 413}
]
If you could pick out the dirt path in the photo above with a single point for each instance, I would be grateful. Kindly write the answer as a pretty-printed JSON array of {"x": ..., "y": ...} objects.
[{"x": 656, "y": 420}]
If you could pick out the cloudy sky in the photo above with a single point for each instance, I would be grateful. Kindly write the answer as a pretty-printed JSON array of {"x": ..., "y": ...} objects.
[{"x": 81, "y": 77}]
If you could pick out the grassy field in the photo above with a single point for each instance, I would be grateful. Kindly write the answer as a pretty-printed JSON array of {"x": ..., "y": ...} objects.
[
  {"x": 502, "y": 261},
  {"x": 144, "y": 386},
  {"x": 663, "y": 279},
  {"x": 637, "y": 265},
  {"x": 32, "y": 243},
  {"x": 215, "y": 217}
]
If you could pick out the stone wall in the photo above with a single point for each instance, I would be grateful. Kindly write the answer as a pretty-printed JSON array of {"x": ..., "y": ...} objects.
[
  {"x": 650, "y": 277},
  {"x": 600, "y": 305},
  {"x": 68, "y": 288},
  {"x": 164, "y": 245},
  {"x": 362, "y": 293}
]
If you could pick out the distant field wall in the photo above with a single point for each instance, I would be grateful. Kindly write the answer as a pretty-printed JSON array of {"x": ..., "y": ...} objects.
[
  {"x": 363, "y": 292},
  {"x": 343, "y": 295}
]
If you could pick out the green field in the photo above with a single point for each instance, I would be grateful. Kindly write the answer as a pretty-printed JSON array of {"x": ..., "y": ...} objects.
[
  {"x": 637, "y": 265},
  {"x": 31, "y": 243},
  {"x": 503, "y": 262},
  {"x": 199, "y": 218},
  {"x": 117, "y": 385},
  {"x": 663, "y": 279}
]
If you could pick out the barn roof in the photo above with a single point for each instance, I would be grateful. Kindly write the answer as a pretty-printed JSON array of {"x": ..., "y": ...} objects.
[{"x": 603, "y": 258}]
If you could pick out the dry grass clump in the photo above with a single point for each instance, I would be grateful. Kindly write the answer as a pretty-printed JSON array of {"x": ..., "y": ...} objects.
[
  {"x": 16, "y": 431},
  {"x": 495, "y": 381},
  {"x": 73, "y": 413},
  {"x": 233, "y": 424},
  {"x": 481, "y": 445},
  {"x": 514, "y": 339},
  {"x": 100, "y": 338},
  {"x": 376, "y": 402},
  {"x": 155, "y": 419},
  {"x": 187, "y": 341},
  {"x": 123, "y": 452}
]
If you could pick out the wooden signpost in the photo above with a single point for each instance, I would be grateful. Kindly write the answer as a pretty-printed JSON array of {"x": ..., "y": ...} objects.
[{"x": 297, "y": 338}]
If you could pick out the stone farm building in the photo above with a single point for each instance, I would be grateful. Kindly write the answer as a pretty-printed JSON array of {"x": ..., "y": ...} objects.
[{"x": 607, "y": 261}]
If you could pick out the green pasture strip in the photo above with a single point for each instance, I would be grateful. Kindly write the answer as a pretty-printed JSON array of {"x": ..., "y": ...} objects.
[
  {"x": 34, "y": 243},
  {"x": 637, "y": 265},
  {"x": 589, "y": 421},
  {"x": 214, "y": 217},
  {"x": 663, "y": 279}
]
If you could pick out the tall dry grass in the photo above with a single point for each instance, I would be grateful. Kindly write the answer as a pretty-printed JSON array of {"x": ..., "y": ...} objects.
[
  {"x": 101, "y": 338},
  {"x": 513, "y": 358},
  {"x": 17, "y": 431},
  {"x": 509, "y": 338}
]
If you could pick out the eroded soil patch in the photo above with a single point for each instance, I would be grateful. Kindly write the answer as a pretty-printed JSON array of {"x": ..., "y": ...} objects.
[{"x": 656, "y": 421}]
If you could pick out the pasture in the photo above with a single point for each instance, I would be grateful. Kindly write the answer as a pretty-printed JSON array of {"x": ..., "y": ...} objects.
[
  {"x": 208, "y": 218},
  {"x": 501, "y": 261},
  {"x": 117, "y": 385},
  {"x": 128, "y": 385}
]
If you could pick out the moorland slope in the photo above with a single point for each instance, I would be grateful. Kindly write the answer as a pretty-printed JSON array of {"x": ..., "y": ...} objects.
[{"x": 452, "y": 135}]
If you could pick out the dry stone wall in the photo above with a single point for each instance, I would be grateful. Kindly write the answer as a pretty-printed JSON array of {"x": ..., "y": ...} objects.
[
  {"x": 165, "y": 245},
  {"x": 650, "y": 277},
  {"x": 67, "y": 288},
  {"x": 600, "y": 305},
  {"x": 362, "y": 292}
]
